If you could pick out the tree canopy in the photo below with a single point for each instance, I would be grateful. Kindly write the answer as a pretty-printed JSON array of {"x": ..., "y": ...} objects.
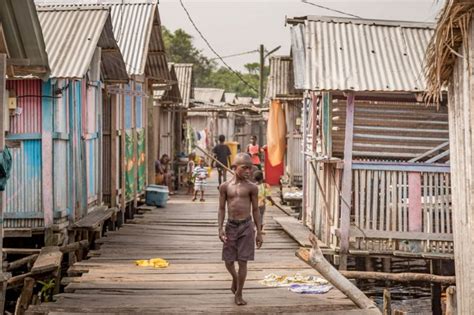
[{"x": 206, "y": 72}]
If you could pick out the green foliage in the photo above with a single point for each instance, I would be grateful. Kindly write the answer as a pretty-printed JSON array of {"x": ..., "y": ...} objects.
[
  {"x": 46, "y": 292},
  {"x": 180, "y": 49}
]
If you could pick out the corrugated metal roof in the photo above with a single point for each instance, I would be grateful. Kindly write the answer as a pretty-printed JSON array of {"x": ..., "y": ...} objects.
[
  {"x": 244, "y": 100},
  {"x": 362, "y": 55},
  {"x": 208, "y": 95},
  {"x": 184, "y": 73},
  {"x": 169, "y": 94},
  {"x": 72, "y": 33},
  {"x": 230, "y": 98},
  {"x": 23, "y": 36},
  {"x": 137, "y": 28},
  {"x": 281, "y": 81}
]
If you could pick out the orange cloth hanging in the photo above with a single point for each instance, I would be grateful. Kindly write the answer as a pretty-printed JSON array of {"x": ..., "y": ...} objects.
[{"x": 276, "y": 134}]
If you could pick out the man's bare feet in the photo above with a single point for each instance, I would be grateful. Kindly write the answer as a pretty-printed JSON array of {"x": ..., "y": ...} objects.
[
  {"x": 239, "y": 300},
  {"x": 233, "y": 288}
]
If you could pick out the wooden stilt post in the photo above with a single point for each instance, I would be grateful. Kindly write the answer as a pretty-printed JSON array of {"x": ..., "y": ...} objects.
[
  {"x": 346, "y": 197},
  {"x": 451, "y": 306},
  {"x": 436, "y": 289},
  {"x": 387, "y": 302},
  {"x": 4, "y": 276}
]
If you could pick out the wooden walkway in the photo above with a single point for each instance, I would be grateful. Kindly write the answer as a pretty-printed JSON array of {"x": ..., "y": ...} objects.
[{"x": 185, "y": 233}]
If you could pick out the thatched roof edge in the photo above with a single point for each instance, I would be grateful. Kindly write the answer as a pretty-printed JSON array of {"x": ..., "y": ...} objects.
[{"x": 451, "y": 32}]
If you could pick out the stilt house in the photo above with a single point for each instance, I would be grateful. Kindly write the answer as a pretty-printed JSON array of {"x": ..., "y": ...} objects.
[{"x": 377, "y": 173}]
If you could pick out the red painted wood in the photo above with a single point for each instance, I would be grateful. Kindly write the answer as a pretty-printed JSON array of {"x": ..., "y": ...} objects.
[{"x": 414, "y": 199}]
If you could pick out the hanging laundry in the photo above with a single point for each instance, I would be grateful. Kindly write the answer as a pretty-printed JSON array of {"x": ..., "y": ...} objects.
[{"x": 276, "y": 134}]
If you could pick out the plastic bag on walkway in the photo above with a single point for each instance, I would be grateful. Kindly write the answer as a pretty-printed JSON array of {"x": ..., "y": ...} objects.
[{"x": 154, "y": 262}]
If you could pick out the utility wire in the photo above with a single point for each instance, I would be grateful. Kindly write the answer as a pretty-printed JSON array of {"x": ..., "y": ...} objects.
[
  {"x": 239, "y": 54},
  {"x": 214, "y": 51},
  {"x": 329, "y": 9}
]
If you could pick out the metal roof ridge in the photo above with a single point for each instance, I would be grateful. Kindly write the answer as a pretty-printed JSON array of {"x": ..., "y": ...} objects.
[
  {"x": 71, "y": 7},
  {"x": 360, "y": 21}
]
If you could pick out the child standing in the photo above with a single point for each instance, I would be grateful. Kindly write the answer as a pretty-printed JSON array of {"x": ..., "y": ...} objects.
[
  {"x": 200, "y": 175},
  {"x": 264, "y": 194}
]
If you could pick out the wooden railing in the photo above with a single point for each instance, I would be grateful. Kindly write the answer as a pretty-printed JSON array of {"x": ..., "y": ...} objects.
[{"x": 401, "y": 206}]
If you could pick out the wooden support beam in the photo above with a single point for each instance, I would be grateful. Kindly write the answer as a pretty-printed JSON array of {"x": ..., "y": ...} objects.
[
  {"x": 74, "y": 246},
  {"x": 25, "y": 298},
  {"x": 21, "y": 262},
  {"x": 398, "y": 277},
  {"x": 387, "y": 302},
  {"x": 451, "y": 306},
  {"x": 3, "y": 69},
  {"x": 346, "y": 197},
  {"x": 315, "y": 259}
]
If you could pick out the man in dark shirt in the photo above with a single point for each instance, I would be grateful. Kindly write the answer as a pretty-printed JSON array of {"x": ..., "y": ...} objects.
[{"x": 222, "y": 153}]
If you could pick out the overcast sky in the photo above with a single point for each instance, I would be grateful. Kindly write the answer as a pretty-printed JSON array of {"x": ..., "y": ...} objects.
[{"x": 237, "y": 26}]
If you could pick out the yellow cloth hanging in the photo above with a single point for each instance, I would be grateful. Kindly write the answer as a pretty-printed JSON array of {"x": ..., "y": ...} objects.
[
  {"x": 154, "y": 262},
  {"x": 276, "y": 133}
]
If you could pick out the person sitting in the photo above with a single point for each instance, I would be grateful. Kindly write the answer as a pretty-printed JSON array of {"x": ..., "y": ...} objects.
[{"x": 163, "y": 173}]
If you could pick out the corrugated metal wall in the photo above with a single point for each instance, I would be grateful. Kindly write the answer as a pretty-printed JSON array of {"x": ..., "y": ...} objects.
[
  {"x": 23, "y": 190},
  {"x": 140, "y": 138},
  {"x": 107, "y": 147},
  {"x": 294, "y": 159},
  {"x": 60, "y": 149},
  {"x": 390, "y": 129},
  {"x": 90, "y": 111},
  {"x": 28, "y": 93}
]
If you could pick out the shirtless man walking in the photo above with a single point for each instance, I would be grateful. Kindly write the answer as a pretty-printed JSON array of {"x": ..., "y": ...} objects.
[{"x": 238, "y": 237}]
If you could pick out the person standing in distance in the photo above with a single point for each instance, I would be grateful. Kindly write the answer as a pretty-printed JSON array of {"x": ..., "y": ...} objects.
[{"x": 222, "y": 154}]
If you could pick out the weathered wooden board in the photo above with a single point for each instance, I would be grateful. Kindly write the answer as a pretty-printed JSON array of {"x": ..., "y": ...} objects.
[{"x": 49, "y": 259}]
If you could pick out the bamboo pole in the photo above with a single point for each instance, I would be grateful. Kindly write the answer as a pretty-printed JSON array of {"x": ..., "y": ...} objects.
[
  {"x": 213, "y": 158},
  {"x": 399, "y": 277}
]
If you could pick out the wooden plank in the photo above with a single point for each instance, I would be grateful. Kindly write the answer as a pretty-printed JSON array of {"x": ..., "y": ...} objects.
[
  {"x": 382, "y": 202},
  {"x": 375, "y": 201},
  {"x": 295, "y": 229},
  {"x": 114, "y": 158},
  {"x": 21, "y": 251},
  {"x": 135, "y": 147},
  {"x": 123, "y": 166},
  {"x": 414, "y": 199},
  {"x": 49, "y": 259},
  {"x": 47, "y": 154},
  {"x": 401, "y": 167},
  {"x": 429, "y": 152},
  {"x": 3, "y": 68},
  {"x": 25, "y": 297},
  {"x": 400, "y": 235},
  {"x": 95, "y": 218},
  {"x": 346, "y": 191}
]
